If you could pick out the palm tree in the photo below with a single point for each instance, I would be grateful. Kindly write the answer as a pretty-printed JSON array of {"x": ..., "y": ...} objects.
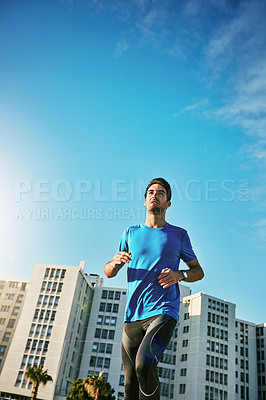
[
  {"x": 97, "y": 387},
  {"x": 37, "y": 376}
]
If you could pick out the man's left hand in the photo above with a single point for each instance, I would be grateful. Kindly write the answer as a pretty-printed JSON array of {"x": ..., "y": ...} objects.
[{"x": 169, "y": 277}]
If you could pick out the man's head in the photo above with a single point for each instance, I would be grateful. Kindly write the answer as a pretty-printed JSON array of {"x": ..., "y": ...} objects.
[
  {"x": 162, "y": 182},
  {"x": 157, "y": 196}
]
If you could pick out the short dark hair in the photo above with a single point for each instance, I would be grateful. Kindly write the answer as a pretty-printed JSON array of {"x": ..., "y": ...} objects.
[{"x": 162, "y": 182}]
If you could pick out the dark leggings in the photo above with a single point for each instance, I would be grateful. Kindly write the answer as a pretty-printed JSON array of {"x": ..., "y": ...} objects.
[{"x": 143, "y": 344}]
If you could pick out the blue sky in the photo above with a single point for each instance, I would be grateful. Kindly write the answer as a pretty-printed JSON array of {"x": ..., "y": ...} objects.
[{"x": 99, "y": 97}]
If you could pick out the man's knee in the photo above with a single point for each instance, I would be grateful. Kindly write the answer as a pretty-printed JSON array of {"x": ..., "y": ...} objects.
[{"x": 143, "y": 371}]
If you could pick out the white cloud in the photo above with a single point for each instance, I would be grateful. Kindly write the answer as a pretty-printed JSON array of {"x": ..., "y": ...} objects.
[
  {"x": 202, "y": 104},
  {"x": 121, "y": 47}
]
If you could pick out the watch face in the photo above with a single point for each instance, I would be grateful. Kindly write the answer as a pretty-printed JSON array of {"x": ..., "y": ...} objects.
[{"x": 185, "y": 274}]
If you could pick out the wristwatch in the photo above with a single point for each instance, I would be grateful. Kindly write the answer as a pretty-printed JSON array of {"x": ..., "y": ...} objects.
[{"x": 184, "y": 273}]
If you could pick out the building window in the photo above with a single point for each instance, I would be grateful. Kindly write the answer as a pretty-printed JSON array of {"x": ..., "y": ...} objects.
[
  {"x": 121, "y": 380},
  {"x": 11, "y": 323},
  {"x": 23, "y": 362},
  {"x": 99, "y": 362},
  {"x": 107, "y": 362},
  {"x": 182, "y": 388},
  {"x": 104, "y": 294},
  {"x": 185, "y": 343},
  {"x": 207, "y": 375},
  {"x": 184, "y": 357},
  {"x": 165, "y": 390},
  {"x": 49, "y": 331},
  {"x": 97, "y": 333},
  {"x": 183, "y": 372},
  {"x": 34, "y": 345},
  {"x": 19, "y": 378},
  {"x": 51, "y": 300},
  {"x": 15, "y": 310},
  {"x": 104, "y": 334},
  {"x": 59, "y": 289},
  {"x": 39, "y": 348},
  {"x": 115, "y": 308},
  {"x": 109, "y": 307},
  {"x": 20, "y": 298},
  {"x": 111, "y": 334},
  {"x": 2, "y": 350},
  {"x": 63, "y": 273},
  {"x": 117, "y": 295},
  {"x": 93, "y": 361},
  {"x": 36, "y": 361},
  {"x": 95, "y": 347},
  {"x": 45, "y": 300},
  {"x": 6, "y": 337},
  {"x": 102, "y": 347},
  {"x": 102, "y": 307},
  {"x": 109, "y": 348},
  {"x": 56, "y": 301},
  {"x": 54, "y": 287}
]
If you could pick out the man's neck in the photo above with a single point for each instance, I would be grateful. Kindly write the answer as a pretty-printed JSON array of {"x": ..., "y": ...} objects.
[{"x": 155, "y": 221}]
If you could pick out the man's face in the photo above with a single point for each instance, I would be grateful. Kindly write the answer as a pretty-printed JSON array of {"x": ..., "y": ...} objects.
[{"x": 156, "y": 199}]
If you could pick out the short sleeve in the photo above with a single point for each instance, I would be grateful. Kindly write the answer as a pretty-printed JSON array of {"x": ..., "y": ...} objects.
[
  {"x": 187, "y": 254},
  {"x": 123, "y": 245}
]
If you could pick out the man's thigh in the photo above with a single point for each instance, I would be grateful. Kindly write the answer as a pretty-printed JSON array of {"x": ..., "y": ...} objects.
[{"x": 156, "y": 338}]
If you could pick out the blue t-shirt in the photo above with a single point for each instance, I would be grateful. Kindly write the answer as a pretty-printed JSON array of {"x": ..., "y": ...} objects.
[{"x": 153, "y": 249}]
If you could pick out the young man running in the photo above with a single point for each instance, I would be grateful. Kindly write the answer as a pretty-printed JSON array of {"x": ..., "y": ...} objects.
[{"x": 152, "y": 251}]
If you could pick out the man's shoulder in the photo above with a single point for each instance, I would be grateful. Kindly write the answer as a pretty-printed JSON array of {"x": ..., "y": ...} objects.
[
  {"x": 133, "y": 228},
  {"x": 176, "y": 229}
]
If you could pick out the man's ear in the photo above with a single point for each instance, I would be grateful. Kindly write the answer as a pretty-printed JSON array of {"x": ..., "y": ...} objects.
[{"x": 168, "y": 204}]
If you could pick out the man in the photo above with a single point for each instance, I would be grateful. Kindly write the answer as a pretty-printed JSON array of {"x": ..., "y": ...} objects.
[{"x": 152, "y": 251}]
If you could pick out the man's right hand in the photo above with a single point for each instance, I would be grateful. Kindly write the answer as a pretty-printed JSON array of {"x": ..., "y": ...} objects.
[
  {"x": 117, "y": 262},
  {"x": 121, "y": 258}
]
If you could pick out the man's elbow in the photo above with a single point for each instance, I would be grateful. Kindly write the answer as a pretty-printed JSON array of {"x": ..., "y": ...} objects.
[
  {"x": 108, "y": 272},
  {"x": 201, "y": 274}
]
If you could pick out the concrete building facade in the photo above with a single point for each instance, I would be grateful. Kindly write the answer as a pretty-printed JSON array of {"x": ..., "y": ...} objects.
[
  {"x": 50, "y": 332},
  {"x": 12, "y": 297},
  {"x": 261, "y": 343}
]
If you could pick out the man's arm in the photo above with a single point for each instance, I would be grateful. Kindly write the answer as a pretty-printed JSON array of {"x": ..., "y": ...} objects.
[
  {"x": 118, "y": 261},
  {"x": 168, "y": 277},
  {"x": 195, "y": 272}
]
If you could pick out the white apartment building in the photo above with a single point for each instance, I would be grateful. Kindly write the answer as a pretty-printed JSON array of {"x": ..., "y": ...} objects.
[
  {"x": 261, "y": 344},
  {"x": 103, "y": 342},
  {"x": 245, "y": 360},
  {"x": 12, "y": 296},
  {"x": 50, "y": 331},
  {"x": 72, "y": 325},
  {"x": 216, "y": 353},
  {"x": 104, "y": 334}
]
